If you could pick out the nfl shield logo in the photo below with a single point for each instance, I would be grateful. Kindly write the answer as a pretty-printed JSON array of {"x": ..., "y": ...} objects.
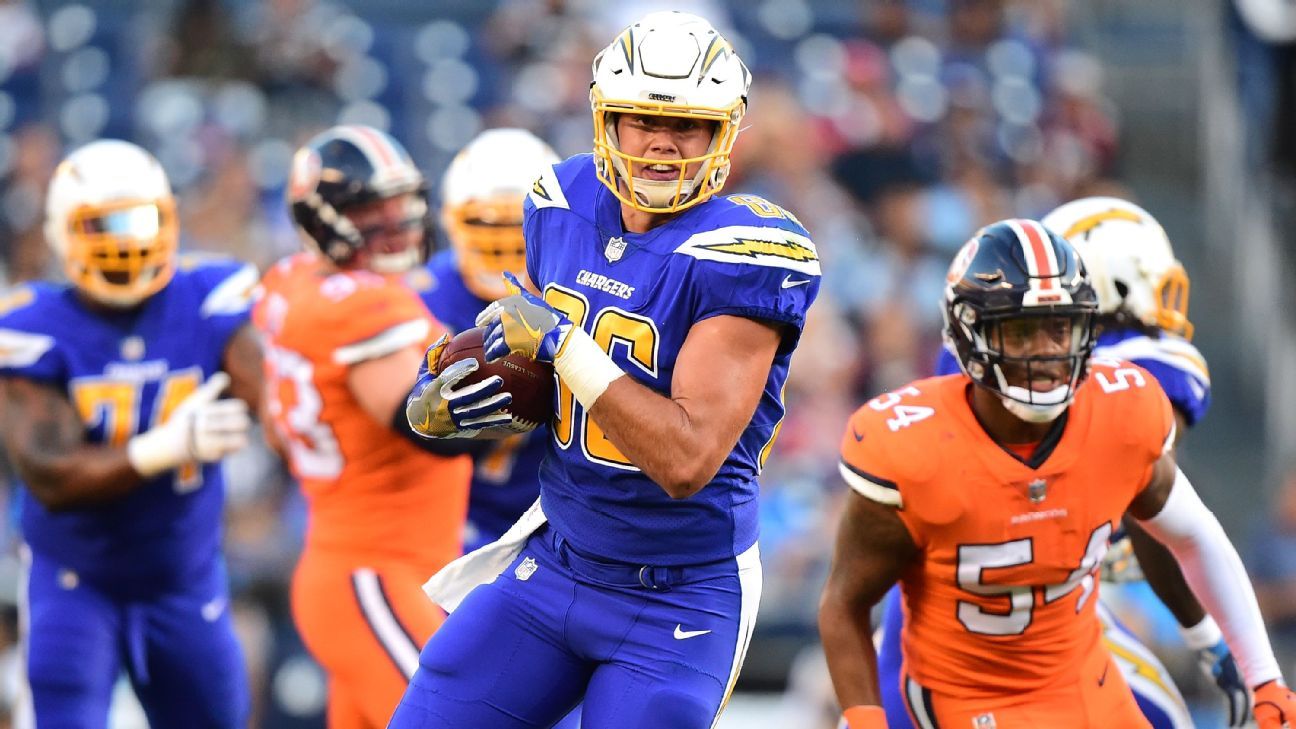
[
  {"x": 615, "y": 249},
  {"x": 526, "y": 569},
  {"x": 132, "y": 349},
  {"x": 984, "y": 721},
  {"x": 1036, "y": 490}
]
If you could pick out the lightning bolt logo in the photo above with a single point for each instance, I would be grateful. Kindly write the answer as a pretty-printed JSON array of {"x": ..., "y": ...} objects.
[{"x": 753, "y": 248}]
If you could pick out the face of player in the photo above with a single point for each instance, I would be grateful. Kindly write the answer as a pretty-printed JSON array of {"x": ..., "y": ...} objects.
[
  {"x": 391, "y": 228},
  {"x": 1036, "y": 351},
  {"x": 665, "y": 138}
]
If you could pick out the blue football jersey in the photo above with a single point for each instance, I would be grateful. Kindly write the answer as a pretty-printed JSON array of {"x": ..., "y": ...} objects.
[
  {"x": 638, "y": 295},
  {"x": 505, "y": 480},
  {"x": 1178, "y": 366},
  {"x": 125, "y": 372}
]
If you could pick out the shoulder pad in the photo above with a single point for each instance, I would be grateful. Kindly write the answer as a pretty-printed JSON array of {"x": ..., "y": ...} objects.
[
  {"x": 22, "y": 349},
  {"x": 756, "y": 245},
  {"x": 550, "y": 189},
  {"x": 742, "y": 209},
  {"x": 1144, "y": 412},
  {"x": 16, "y": 299},
  {"x": 886, "y": 446},
  {"x": 1169, "y": 350},
  {"x": 234, "y": 293}
]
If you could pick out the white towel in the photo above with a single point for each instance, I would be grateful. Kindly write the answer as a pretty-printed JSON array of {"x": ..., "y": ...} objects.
[{"x": 452, "y": 583}]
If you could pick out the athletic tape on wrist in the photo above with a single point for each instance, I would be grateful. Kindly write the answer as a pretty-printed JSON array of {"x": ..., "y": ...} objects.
[{"x": 585, "y": 368}]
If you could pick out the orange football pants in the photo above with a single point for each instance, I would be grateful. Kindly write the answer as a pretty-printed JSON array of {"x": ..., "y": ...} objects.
[
  {"x": 1099, "y": 699},
  {"x": 365, "y": 621}
]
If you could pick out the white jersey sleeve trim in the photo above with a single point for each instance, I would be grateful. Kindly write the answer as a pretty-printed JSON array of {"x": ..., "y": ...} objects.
[
  {"x": 546, "y": 192},
  {"x": 22, "y": 349},
  {"x": 755, "y": 245},
  {"x": 870, "y": 489},
  {"x": 234, "y": 295},
  {"x": 391, "y": 340}
]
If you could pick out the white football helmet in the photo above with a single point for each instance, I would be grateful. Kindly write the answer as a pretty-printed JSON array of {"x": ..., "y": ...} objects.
[
  {"x": 481, "y": 205},
  {"x": 668, "y": 64},
  {"x": 110, "y": 216},
  {"x": 1130, "y": 260}
]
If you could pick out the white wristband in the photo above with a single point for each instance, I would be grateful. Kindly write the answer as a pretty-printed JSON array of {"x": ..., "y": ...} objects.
[
  {"x": 1202, "y": 635},
  {"x": 584, "y": 367}
]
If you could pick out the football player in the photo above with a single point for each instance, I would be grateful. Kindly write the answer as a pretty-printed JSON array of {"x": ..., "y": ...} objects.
[
  {"x": 482, "y": 193},
  {"x": 1143, "y": 318},
  {"x": 997, "y": 544},
  {"x": 669, "y": 315},
  {"x": 344, "y": 334},
  {"x": 114, "y": 419}
]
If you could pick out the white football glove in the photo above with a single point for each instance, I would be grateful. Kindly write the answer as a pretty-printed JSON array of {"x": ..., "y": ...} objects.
[{"x": 201, "y": 429}]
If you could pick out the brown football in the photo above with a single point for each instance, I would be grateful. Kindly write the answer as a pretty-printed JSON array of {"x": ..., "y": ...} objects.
[{"x": 531, "y": 383}]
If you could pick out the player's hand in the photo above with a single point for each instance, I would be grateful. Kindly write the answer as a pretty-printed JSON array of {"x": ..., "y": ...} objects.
[
  {"x": 1218, "y": 665},
  {"x": 438, "y": 408},
  {"x": 201, "y": 429},
  {"x": 1275, "y": 706},
  {"x": 524, "y": 324}
]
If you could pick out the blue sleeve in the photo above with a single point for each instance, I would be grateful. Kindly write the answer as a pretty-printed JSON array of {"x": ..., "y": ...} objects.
[
  {"x": 29, "y": 345},
  {"x": 754, "y": 267}
]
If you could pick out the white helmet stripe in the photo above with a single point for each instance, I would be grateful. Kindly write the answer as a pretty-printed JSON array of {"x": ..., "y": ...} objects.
[{"x": 1041, "y": 261}]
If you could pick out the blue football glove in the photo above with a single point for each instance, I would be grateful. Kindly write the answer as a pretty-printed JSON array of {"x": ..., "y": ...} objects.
[
  {"x": 436, "y": 408},
  {"x": 1218, "y": 665},
  {"x": 524, "y": 324}
]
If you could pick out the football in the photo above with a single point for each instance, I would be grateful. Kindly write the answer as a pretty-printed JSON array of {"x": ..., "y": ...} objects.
[{"x": 531, "y": 383}]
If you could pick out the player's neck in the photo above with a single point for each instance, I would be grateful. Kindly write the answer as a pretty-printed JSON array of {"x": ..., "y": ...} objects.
[
  {"x": 638, "y": 221},
  {"x": 104, "y": 309},
  {"x": 1001, "y": 425}
]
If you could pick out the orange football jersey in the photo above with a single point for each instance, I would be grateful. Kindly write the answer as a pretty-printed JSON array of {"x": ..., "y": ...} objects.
[
  {"x": 1001, "y": 599},
  {"x": 370, "y": 491}
]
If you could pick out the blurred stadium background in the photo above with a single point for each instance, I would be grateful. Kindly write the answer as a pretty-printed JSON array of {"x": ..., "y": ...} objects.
[{"x": 892, "y": 128}]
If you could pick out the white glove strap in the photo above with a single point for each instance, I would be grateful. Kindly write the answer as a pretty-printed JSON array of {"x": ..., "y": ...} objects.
[
  {"x": 156, "y": 450},
  {"x": 1203, "y": 635},
  {"x": 1217, "y": 577},
  {"x": 585, "y": 367}
]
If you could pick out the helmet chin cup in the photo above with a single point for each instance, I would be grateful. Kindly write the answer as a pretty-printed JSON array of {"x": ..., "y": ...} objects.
[
  {"x": 390, "y": 263},
  {"x": 662, "y": 193},
  {"x": 1034, "y": 413}
]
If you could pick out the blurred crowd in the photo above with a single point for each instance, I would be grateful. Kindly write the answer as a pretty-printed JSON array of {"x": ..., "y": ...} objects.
[{"x": 892, "y": 129}]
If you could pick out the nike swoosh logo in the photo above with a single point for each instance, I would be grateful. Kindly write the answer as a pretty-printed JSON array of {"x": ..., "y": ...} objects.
[
  {"x": 1103, "y": 680},
  {"x": 859, "y": 437},
  {"x": 789, "y": 283},
  {"x": 681, "y": 634}
]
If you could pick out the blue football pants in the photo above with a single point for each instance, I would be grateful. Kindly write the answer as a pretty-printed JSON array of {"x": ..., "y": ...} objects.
[
  {"x": 178, "y": 650},
  {"x": 643, "y": 647}
]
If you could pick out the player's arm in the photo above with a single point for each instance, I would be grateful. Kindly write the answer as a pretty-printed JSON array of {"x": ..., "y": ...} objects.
[
  {"x": 873, "y": 548},
  {"x": 681, "y": 441},
  {"x": 1172, "y": 512},
  {"x": 1159, "y": 566},
  {"x": 243, "y": 361},
  {"x": 381, "y": 386},
  {"x": 46, "y": 440}
]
